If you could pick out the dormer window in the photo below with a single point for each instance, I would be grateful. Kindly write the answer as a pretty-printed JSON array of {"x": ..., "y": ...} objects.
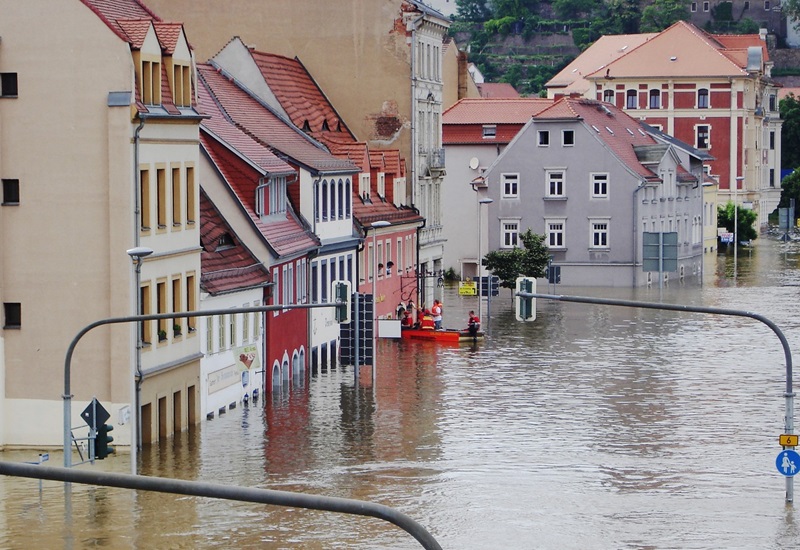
[
  {"x": 271, "y": 197},
  {"x": 225, "y": 241},
  {"x": 151, "y": 83},
  {"x": 363, "y": 187},
  {"x": 382, "y": 184},
  {"x": 489, "y": 131},
  {"x": 325, "y": 126},
  {"x": 181, "y": 85}
]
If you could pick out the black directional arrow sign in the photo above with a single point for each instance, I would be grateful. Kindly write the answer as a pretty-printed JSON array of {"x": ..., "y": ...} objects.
[{"x": 95, "y": 414}]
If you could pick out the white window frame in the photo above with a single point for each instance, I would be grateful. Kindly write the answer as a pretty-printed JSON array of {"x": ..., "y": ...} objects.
[
  {"x": 653, "y": 93},
  {"x": 632, "y": 94},
  {"x": 707, "y": 95},
  {"x": 599, "y": 227},
  {"x": 697, "y": 137},
  {"x": 543, "y": 138},
  {"x": 363, "y": 186},
  {"x": 556, "y": 227},
  {"x": 564, "y": 134},
  {"x": 550, "y": 178},
  {"x": 602, "y": 179},
  {"x": 509, "y": 236},
  {"x": 509, "y": 185},
  {"x": 489, "y": 131}
]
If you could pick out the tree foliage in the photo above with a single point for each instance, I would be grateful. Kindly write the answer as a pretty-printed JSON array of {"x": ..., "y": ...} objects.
[
  {"x": 662, "y": 13},
  {"x": 790, "y": 189},
  {"x": 790, "y": 132},
  {"x": 727, "y": 216},
  {"x": 529, "y": 261},
  {"x": 473, "y": 10}
]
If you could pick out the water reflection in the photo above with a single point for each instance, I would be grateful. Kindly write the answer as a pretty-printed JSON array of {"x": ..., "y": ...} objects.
[{"x": 592, "y": 427}]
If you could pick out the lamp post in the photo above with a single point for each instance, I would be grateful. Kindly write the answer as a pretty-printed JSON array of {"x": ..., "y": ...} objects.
[
  {"x": 481, "y": 202},
  {"x": 137, "y": 255}
]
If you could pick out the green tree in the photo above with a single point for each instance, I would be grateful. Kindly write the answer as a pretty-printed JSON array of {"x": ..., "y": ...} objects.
[
  {"x": 790, "y": 189},
  {"x": 619, "y": 17},
  {"x": 791, "y": 9},
  {"x": 574, "y": 9},
  {"x": 518, "y": 9},
  {"x": 662, "y": 13},
  {"x": 727, "y": 215},
  {"x": 790, "y": 132},
  {"x": 473, "y": 10},
  {"x": 529, "y": 261}
]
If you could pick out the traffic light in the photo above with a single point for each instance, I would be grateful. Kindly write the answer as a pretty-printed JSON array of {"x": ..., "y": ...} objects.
[
  {"x": 341, "y": 291},
  {"x": 101, "y": 441},
  {"x": 525, "y": 306}
]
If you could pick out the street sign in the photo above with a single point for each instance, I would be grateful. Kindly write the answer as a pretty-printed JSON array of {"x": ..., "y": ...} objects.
[
  {"x": 726, "y": 238},
  {"x": 788, "y": 462},
  {"x": 89, "y": 412},
  {"x": 467, "y": 288},
  {"x": 788, "y": 440},
  {"x": 660, "y": 251}
]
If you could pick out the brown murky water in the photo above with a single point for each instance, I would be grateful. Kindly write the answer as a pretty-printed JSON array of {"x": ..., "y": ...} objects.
[{"x": 593, "y": 427}]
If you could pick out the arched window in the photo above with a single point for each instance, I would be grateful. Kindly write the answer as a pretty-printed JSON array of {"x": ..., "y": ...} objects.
[
  {"x": 631, "y": 99},
  {"x": 325, "y": 200},
  {"x": 655, "y": 99},
  {"x": 340, "y": 203},
  {"x": 702, "y": 98},
  {"x": 608, "y": 96}
]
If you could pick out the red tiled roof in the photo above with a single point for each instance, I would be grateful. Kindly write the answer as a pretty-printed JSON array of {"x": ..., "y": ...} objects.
[
  {"x": 356, "y": 152},
  {"x": 286, "y": 236},
  {"x": 614, "y": 127},
  {"x": 168, "y": 34},
  {"x": 112, "y": 11},
  {"x": 681, "y": 50},
  {"x": 497, "y": 90},
  {"x": 266, "y": 127},
  {"x": 494, "y": 111},
  {"x": 225, "y": 267},
  {"x": 135, "y": 30},
  {"x": 299, "y": 95}
]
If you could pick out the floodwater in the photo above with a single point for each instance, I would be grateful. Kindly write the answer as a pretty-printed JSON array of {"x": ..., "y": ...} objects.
[{"x": 594, "y": 427}]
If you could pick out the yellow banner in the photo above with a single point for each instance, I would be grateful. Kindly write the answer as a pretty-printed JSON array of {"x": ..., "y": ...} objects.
[{"x": 468, "y": 288}]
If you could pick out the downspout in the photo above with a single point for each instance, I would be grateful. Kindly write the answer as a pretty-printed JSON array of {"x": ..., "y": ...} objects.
[
  {"x": 636, "y": 229},
  {"x": 420, "y": 293},
  {"x": 315, "y": 203},
  {"x": 138, "y": 378}
]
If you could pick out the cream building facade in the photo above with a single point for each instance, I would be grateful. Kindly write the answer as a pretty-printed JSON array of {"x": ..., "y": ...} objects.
[{"x": 98, "y": 156}]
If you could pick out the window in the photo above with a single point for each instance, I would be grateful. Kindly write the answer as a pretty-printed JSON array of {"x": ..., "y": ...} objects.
[
  {"x": 703, "y": 137},
  {"x": 489, "y": 132},
  {"x": 232, "y": 328},
  {"x": 555, "y": 183},
  {"x": 10, "y": 191},
  {"x": 12, "y": 315},
  {"x": 257, "y": 322},
  {"x": 363, "y": 186},
  {"x": 146, "y": 309},
  {"x": 772, "y": 177},
  {"x": 773, "y": 102},
  {"x": 151, "y": 83},
  {"x": 555, "y": 233},
  {"x": 161, "y": 198},
  {"x": 510, "y": 184},
  {"x": 568, "y": 138},
  {"x": 599, "y": 185},
  {"x": 510, "y": 234},
  {"x": 747, "y": 5},
  {"x": 631, "y": 99},
  {"x": 324, "y": 200},
  {"x": 544, "y": 138},
  {"x": 181, "y": 85},
  {"x": 766, "y": 4},
  {"x": 191, "y": 200},
  {"x": 655, "y": 99},
  {"x": 176, "y": 198},
  {"x": 599, "y": 234},
  {"x": 191, "y": 301},
  {"x": 8, "y": 85},
  {"x": 702, "y": 98},
  {"x": 608, "y": 96},
  {"x": 382, "y": 184},
  {"x": 145, "y": 214},
  {"x": 221, "y": 333},
  {"x": 246, "y": 325},
  {"x": 209, "y": 335},
  {"x": 694, "y": 7},
  {"x": 772, "y": 140},
  {"x": 177, "y": 322},
  {"x": 705, "y": 6},
  {"x": 271, "y": 198},
  {"x": 161, "y": 307},
  {"x": 347, "y": 198}
]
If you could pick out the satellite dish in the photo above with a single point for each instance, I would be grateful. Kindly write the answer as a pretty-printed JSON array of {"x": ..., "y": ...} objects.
[{"x": 473, "y": 163}]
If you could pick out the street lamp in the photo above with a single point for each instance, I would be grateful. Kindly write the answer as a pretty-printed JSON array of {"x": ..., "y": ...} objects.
[
  {"x": 137, "y": 255},
  {"x": 480, "y": 261}
]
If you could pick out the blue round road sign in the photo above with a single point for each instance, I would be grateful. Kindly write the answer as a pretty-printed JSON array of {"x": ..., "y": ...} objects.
[{"x": 788, "y": 462}]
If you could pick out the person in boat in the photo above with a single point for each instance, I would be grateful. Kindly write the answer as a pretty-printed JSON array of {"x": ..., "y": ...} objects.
[
  {"x": 473, "y": 324},
  {"x": 407, "y": 321},
  {"x": 436, "y": 311},
  {"x": 427, "y": 322}
]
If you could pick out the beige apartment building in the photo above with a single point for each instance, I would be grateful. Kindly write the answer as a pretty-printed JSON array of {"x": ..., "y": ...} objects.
[
  {"x": 380, "y": 63},
  {"x": 98, "y": 156}
]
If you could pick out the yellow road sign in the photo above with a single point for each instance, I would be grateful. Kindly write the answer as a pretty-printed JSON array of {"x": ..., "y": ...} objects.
[
  {"x": 788, "y": 440},
  {"x": 468, "y": 288}
]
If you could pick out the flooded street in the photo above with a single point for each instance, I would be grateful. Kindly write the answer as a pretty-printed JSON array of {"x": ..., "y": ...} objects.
[{"x": 594, "y": 427}]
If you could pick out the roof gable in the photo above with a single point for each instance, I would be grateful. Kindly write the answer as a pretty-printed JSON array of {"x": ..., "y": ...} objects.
[
  {"x": 682, "y": 50},
  {"x": 111, "y": 12},
  {"x": 494, "y": 110}
]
